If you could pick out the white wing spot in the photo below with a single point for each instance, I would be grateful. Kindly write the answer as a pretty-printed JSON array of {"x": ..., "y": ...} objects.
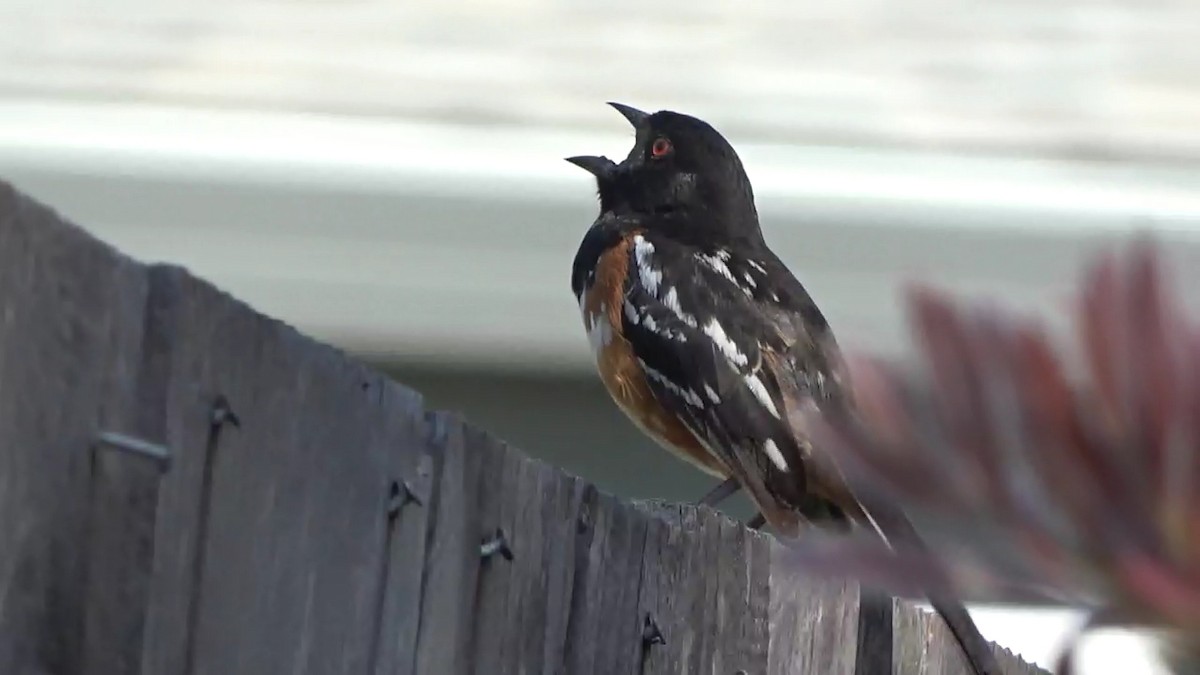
[
  {"x": 686, "y": 394},
  {"x": 714, "y": 330},
  {"x": 712, "y": 394},
  {"x": 750, "y": 280},
  {"x": 631, "y": 313},
  {"x": 760, "y": 392},
  {"x": 760, "y": 268},
  {"x": 671, "y": 300},
  {"x": 717, "y": 264},
  {"x": 651, "y": 324},
  {"x": 650, "y": 277},
  {"x": 774, "y": 455}
]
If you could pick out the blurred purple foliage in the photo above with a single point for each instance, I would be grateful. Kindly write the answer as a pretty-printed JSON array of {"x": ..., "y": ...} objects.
[{"x": 1035, "y": 475}]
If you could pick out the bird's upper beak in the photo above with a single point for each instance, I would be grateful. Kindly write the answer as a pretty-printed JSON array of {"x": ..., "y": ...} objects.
[
  {"x": 602, "y": 167},
  {"x": 636, "y": 117},
  {"x": 599, "y": 166}
]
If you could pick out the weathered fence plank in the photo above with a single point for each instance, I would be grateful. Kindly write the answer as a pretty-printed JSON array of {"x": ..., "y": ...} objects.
[
  {"x": 123, "y": 505},
  {"x": 125, "y": 462},
  {"x": 563, "y": 527},
  {"x": 874, "y": 651},
  {"x": 677, "y": 590},
  {"x": 814, "y": 624},
  {"x": 314, "y": 518},
  {"x": 452, "y": 566},
  {"x": 410, "y": 506},
  {"x": 294, "y": 497},
  {"x": 70, "y": 316},
  {"x": 928, "y": 647},
  {"x": 603, "y": 632},
  {"x": 498, "y": 500},
  {"x": 738, "y": 613},
  {"x": 168, "y": 634},
  {"x": 617, "y": 566}
]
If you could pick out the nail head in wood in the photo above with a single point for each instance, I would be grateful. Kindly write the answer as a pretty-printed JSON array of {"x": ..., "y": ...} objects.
[
  {"x": 135, "y": 446},
  {"x": 222, "y": 414},
  {"x": 400, "y": 494},
  {"x": 496, "y": 544},
  {"x": 651, "y": 633}
]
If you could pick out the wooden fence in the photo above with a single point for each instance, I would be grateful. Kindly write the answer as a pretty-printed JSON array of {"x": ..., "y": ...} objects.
[{"x": 187, "y": 486}]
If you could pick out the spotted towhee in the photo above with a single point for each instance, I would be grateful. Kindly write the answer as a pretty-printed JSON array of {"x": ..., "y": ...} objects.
[{"x": 706, "y": 340}]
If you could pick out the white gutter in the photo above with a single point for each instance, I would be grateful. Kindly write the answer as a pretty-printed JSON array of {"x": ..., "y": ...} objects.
[{"x": 454, "y": 243}]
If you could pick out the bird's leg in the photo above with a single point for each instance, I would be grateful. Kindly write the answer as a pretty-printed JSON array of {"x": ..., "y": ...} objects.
[{"x": 726, "y": 489}]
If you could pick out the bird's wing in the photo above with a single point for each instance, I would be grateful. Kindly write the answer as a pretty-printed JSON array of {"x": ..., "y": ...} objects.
[
  {"x": 805, "y": 365},
  {"x": 724, "y": 360},
  {"x": 737, "y": 348}
]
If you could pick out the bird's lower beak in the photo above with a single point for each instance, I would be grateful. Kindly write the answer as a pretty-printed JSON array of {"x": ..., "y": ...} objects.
[
  {"x": 598, "y": 166},
  {"x": 636, "y": 117}
]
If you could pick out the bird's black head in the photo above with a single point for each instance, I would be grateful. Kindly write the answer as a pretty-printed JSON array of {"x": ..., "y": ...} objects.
[{"x": 678, "y": 164}]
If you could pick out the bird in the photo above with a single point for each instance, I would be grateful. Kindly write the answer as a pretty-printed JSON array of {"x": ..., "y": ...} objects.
[{"x": 709, "y": 344}]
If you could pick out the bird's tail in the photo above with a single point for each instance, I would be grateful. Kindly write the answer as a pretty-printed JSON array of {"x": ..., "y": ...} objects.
[
  {"x": 895, "y": 527},
  {"x": 977, "y": 649},
  {"x": 889, "y": 521}
]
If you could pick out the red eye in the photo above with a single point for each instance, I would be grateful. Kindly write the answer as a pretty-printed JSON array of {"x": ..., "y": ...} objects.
[{"x": 660, "y": 148}]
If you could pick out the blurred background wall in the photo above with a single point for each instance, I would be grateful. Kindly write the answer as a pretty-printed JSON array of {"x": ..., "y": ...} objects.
[{"x": 386, "y": 175}]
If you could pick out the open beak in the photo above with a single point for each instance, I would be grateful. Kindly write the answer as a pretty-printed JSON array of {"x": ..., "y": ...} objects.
[
  {"x": 598, "y": 166},
  {"x": 601, "y": 166},
  {"x": 636, "y": 117}
]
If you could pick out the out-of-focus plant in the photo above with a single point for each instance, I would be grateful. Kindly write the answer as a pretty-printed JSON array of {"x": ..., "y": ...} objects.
[{"x": 1036, "y": 475}]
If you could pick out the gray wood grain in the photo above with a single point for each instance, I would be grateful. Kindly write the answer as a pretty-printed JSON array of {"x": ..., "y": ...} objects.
[
  {"x": 536, "y": 507},
  {"x": 1015, "y": 665},
  {"x": 919, "y": 649},
  {"x": 705, "y": 583},
  {"x": 180, "y": 500},
  {"x": 406, "y": 536},
  {"x": 119, "y": 548},
  {"x": 583, "y": 618},
  {"x": 742, "y": 600},
  {"x": 814, "y": 623},
  {"x": 759, "y": 627},
  {"x": 925, "y": 646},
  {"x": 620, "y": 625},
  {"x": 604, "y": 625},
  {"x": 499, "y": 501},
  {"x": 696, "y": 585},
  {"x": 69, "y": 324},
  {"x": 565, "y": 528},
  {"x": 875, "y": 633},
  {"x": 123, "y": 486},
  {"x": 538, "y": 581},
  {"x": 296, "y": 506},
  {"x": 452, "y": 563},
  {"x": 665, "y": 596}
]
